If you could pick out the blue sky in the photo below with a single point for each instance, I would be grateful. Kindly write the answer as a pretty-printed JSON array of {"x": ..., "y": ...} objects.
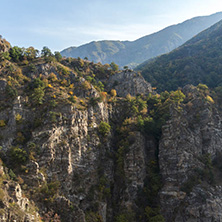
[{"x": 60, "y": 24}]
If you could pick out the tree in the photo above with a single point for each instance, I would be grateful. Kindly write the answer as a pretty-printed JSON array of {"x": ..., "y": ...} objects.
[
  {"x": 203, "y": 87},
  {"x": 58, "y": 56},
  {"x": 16, "y": 54},
  {"x": 114, "y": 66},
  {"x": 17, "y": 155},
  {"x": 125, "y": 67},
  {"x": 38, "y": 83},
  {"x": 46, "y": 52},
  {"x": 38, "y": 95},
  {"x": 177, "y": 96},
  {"x": 32, "y": 68},
  {"x": 100, "y": 85},
  {"x": 31, "y": 53},
  {"x": 104, "y": 128},
  {"x": 4, "y": 56}
]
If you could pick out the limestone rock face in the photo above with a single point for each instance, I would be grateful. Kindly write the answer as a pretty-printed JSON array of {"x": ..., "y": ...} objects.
[
  {"x": 127, "y": 82},
  {"x": 70, "y": 151},
  {"x": 13, "y": 205},
  {"x": 73, "y": 152},
  {"x": 140, "y": 152},
  {"x": 76, "y": 172},
  {"x": 4, "y": 45},
  {"x": 202, "y": 205},
  {"x": 192, "y": 137},
  {"x": 3, "y": 84}
]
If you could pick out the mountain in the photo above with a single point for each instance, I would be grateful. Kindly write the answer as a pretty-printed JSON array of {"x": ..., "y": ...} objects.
[
  {"x": 197, "y": 61},
  {"x": 135, "y": 52},
  {"x": 80, "y": 142}
]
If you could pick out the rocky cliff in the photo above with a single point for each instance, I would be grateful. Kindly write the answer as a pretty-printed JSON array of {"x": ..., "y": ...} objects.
[
  {"x": 128, "y": 82},
  {"x": 189, "y": 151},
  {"x": 74, "y": 151},
  {"x": 4, "y": 45},
  {"x": 71, "y": 154}
]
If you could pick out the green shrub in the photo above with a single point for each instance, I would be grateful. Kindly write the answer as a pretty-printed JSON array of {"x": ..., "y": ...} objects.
[
  {"x": 11, "y": 92},
  {"x": 37, "y": 83},
  {"x": 48, "y": 191},
  {"x": 4, "y": 56},
  {"x": 53, "y": 103},
  {"x": 114, "y": 66},
  {"x": 202, "y": 87},
  {"x": 12, "y": 175},
  {"x": 58, "y": 56},
  {"x": 157, "y": 218},
  {"x": 32, "y": 68},
  {"x": 93, "y": 101},
  {"x": 100, "y": 86},
  {"x": 93, "y": 217},
  {"x": 53, "y": 116},
  {"x": 153, "y": 215},
  {"x": 72, "y": 99},
  {"x": 20, "y": 139},
  {"x": 16, "y": 54},
  {"x": 38, "y": 95},
  {"x": 126, "y": 216},
  {"x": 121, "y": 218},
  {"x": 104, "y": 128},
  {"x": 18, "y": 156}
]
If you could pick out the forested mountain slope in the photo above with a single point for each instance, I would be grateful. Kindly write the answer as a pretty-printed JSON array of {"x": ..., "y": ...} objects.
[
  {"x": 133, "y": 53},
  {"x": 198, "y": 61}
]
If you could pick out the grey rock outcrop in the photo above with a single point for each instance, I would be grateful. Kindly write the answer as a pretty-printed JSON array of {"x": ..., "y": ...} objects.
[
  {"x": 13, "y": 205},
  {"x": 192, "y": 137},
  {"x": 128, "y": 82},
  {"x": 72, "y": 152},
  {"x": 3, "y": 84},
  {"x": 4, "y": 45}
]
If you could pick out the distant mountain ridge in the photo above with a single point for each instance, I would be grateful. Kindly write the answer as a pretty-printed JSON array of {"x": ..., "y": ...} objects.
[
  {"x": 199, "y": 60},
  {"x": 135, "y": 52}
]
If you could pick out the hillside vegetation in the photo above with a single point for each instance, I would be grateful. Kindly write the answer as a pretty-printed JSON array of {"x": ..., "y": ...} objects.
[{"x": 198, "y": 61}]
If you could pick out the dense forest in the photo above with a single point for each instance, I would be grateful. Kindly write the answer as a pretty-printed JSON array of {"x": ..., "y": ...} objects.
[{"x": 197, "y": 61}]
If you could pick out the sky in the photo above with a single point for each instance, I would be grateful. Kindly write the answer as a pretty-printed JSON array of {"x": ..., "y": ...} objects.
[{"x": 59, "y": 24}]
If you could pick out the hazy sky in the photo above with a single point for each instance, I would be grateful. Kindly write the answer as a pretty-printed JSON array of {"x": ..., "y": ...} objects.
[{"x": 59, "y": 24}]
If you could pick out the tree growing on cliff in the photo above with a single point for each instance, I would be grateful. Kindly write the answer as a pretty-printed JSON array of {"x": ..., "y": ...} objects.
[
  {"x": 46, "y": 52},
  {"x": 16, "y": 54},
  {"x": 58, "y": 56},
  {"x": 31, "y": 53},
  {"x": 104, "y": 128},
  {"x": 114, "y": 66},
  {"x": 38, "y": 95}
]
